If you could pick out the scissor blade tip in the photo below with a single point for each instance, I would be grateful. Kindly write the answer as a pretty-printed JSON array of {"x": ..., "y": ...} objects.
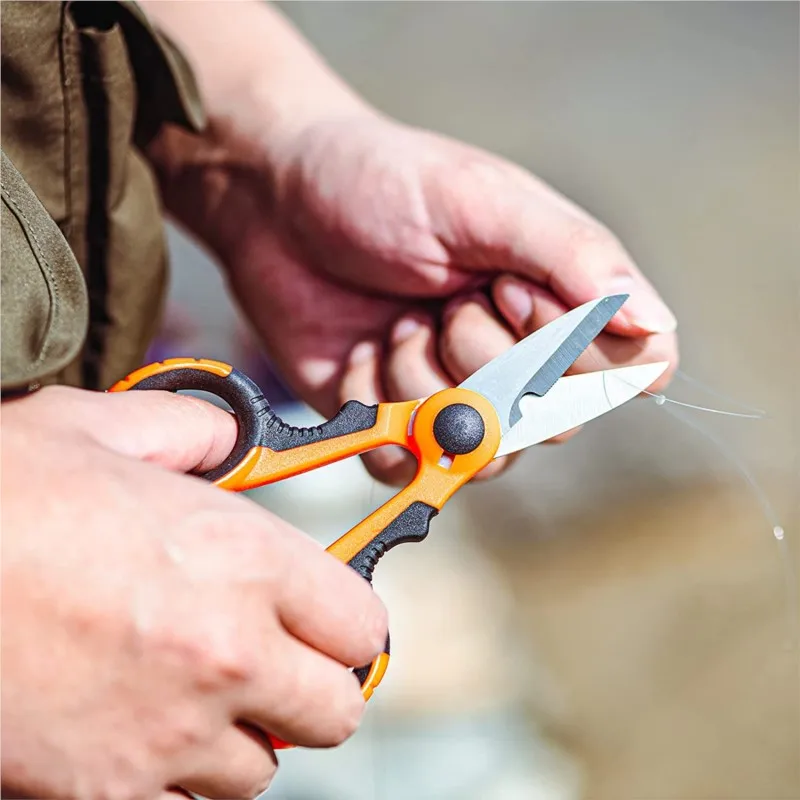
[
  {"x": 577, "y": 399},
  {"x": 615, "y": 301},
  {"x": 641, "y": 375},
  {"x": 661, "y": 366}
]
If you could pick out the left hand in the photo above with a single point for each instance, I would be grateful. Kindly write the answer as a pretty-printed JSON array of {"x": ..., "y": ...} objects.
[
  {"x": 379, "y": 268},
  {"x": 379, "y": 262}
]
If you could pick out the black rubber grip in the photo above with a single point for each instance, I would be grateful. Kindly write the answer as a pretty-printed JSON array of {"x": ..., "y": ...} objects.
[
  {"x": 259, "y": 425},
  {"x": 411, "y": 525}
]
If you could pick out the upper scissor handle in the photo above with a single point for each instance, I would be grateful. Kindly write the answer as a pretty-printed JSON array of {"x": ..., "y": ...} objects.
[
  {"x": 259, "y": 427},
  {"x": 453, "y": 434}
]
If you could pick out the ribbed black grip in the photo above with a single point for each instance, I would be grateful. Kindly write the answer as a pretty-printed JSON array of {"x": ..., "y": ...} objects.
[
  {"x": 259, "y": 425},
  {"x": 352, "y": 417},
  {"x": 411, "y": 525}
]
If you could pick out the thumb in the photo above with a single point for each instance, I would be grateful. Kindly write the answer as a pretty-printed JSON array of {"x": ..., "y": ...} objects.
[{"x": 178, "y": 432}]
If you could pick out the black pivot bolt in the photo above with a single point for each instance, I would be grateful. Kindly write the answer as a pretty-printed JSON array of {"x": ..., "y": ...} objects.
[{"x": 459, "y": 429}]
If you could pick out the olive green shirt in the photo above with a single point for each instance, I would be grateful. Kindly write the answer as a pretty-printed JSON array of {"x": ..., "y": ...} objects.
[{"x": 85, "y": 88}]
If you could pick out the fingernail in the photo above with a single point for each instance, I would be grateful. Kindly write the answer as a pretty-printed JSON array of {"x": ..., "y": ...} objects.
[
  {"x": 362, "y": 352},
  {"x": 516, "y": 299},
  {"x": 405, "y": 329},
  {"x": 644, "y": 308}
]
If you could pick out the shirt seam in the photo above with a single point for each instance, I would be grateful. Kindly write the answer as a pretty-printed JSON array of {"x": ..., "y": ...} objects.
[{"x": 52, "y": 282}]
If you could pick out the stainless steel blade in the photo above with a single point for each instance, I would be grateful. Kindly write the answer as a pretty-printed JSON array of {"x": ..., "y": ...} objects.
[
  {"x": 564, "y": 356},
  {"x": 575, "y": 400},
  {"x": 538, "y": 361}
]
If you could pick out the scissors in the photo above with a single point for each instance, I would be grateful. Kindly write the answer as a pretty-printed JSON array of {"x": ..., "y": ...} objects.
[{"x": 518, "y": 399}]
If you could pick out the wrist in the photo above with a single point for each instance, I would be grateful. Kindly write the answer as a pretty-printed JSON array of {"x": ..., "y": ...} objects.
[
  {"x": 275, "y": 102},
  {"x": 221, "y": 184}
]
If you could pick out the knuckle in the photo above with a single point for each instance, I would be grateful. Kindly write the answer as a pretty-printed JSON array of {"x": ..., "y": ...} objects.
[
  {"x": 183, "y": 730},
  {"x": 211, "y": 654},
  {"x": 224, "y": 657},
  {"x": 236, "y": 544},
  {"x": 199, "y": 411}
]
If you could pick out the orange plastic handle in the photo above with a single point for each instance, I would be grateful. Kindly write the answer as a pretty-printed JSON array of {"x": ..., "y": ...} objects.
[
  {"x": 439, "y": 475},
  {"x": 268, "y": 451}
]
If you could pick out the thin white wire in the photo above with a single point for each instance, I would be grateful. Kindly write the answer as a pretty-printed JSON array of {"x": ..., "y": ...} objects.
[
  {"x": 661, "y": 399},
  {"x": 772, "y": 518},
  {"x": 714, "y": 393},
  {"x": 778, "y": 531}
]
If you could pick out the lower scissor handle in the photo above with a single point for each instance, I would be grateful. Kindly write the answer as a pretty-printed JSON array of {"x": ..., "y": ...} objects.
[{"x": 453, "y": 434}]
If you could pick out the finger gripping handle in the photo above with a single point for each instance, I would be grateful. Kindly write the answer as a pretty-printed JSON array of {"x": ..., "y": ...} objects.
[
  {"x": 259, "y": 425},
  {"x": 236, "y": 389},
  {"x": 411, "y": 525}
]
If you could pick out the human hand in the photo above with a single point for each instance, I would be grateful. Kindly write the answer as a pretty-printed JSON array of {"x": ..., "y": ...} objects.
[
  {"x": 155, "y": 627},
  {"x": 375, "y": 262},
  {"x": 364, "y": 251}
]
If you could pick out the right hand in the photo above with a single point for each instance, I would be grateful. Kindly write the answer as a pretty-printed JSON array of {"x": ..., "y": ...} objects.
[{"x": 154, "y": 626}]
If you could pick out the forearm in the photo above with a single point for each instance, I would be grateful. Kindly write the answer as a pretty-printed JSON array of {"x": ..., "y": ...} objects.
[
  {"x": 261, "y": 84},
  {"x": 254, "y": 69}
]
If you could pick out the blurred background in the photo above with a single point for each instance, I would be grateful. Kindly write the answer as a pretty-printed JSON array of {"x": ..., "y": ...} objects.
[{"x": 614, "y": 618}]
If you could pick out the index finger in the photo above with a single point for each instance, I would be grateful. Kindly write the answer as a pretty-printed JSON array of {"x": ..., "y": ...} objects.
[{"x": 329, "y": 606}]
